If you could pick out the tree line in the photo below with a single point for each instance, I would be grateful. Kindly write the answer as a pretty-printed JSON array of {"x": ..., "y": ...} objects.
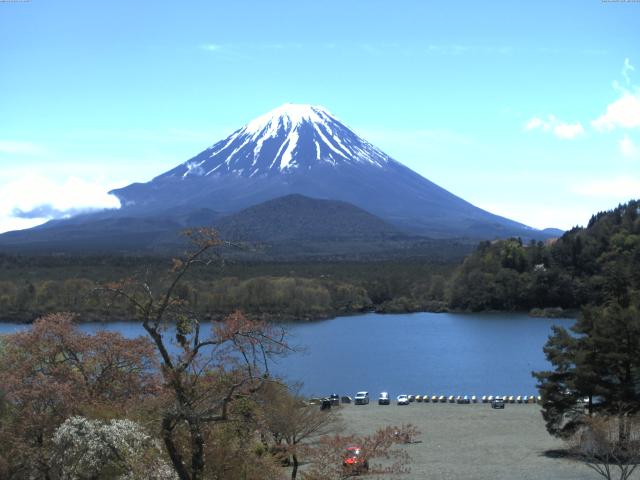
[
  {"x": 591, "y": 396},
  {"x": 191, "y": 403},
  {"x": 292, "y": 292},
  {"x": 586, "y": 266}
]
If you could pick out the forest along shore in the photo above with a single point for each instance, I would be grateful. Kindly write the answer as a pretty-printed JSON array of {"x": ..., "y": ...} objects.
[{"x": 586, "y": 266}]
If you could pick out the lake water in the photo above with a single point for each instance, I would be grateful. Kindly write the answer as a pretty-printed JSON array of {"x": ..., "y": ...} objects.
[{"x": 419, "y": 353}]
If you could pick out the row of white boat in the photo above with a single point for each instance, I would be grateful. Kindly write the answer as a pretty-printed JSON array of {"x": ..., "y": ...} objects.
[{"x": 475, "y": 399}]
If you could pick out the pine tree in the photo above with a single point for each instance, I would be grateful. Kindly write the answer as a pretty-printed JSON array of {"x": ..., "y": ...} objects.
[{"x": 598, "y": 360}]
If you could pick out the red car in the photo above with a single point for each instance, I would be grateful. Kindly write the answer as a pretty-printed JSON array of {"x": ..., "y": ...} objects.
[{"x": 354, "y": 460}]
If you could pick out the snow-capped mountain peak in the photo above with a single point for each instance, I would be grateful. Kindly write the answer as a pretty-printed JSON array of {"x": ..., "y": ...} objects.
[
  {"x": 305, "y": 150},
  {"x": 289, "y": 115},
  {"x": 282, "y": 141}
]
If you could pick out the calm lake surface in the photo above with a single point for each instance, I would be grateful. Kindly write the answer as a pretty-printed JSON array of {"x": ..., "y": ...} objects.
[{"x": 419, "y": 353}]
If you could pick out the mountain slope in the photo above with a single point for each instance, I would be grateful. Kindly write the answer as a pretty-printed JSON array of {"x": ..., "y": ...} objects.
[
  {"x": 296, "y": 218},
  {"x": 306, "y": 150},
  {"x": 107, "y": 232},
  {"x": 292, "y": 150}
]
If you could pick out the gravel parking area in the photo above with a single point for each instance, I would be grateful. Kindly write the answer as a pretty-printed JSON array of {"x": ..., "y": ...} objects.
[{"x": 472, "y": 441}]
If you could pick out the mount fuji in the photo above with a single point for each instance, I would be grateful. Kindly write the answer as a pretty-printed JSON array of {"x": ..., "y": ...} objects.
[
  {"x": 291, "y": 151},
  {"x": 304, "y": 149}
]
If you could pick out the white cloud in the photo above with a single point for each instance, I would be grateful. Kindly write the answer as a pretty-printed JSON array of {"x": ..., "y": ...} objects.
[
  {"x": 9, "y": 223},
  {"x": 568, "y": 131},
  {"x": 623, "y": 113},
  {"x": 21, "y": 197},
  {"x": 565, "y": 131},
  {"x": 619, "y": 189},
  {"x": 20, "y": 148},
  {"x": 536, "y": 122},
  {"x": 628, "y": 148}
]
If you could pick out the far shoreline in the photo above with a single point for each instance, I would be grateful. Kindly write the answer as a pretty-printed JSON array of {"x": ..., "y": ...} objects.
[{"x": 545, "y": 313}]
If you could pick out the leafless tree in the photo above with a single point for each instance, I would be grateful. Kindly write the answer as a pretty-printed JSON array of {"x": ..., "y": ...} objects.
[
  {"x": 610, "y": 445},
  {"x": 204, "y": 372},
  {"x": 292, "y": 422}
]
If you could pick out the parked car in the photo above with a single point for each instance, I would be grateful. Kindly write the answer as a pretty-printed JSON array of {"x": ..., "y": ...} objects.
[
  {"x": 497, "y": 403},
  {"x": 384, "y": 399},
  {"x": 402, "y": 400},
  {"x": 335, "y": 399},
  {"x": 361, "y": 398},
  {"x": 354, "y": 460},
  {"x": 412, "y": 398}
]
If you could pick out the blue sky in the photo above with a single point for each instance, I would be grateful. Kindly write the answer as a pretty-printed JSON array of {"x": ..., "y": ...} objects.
[{"x": 528, "y": 109}]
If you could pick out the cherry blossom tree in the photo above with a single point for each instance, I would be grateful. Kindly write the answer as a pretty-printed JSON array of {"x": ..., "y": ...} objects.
[
  {"x": 119, "y": 449},
  {"x": 53, "y": 371}
]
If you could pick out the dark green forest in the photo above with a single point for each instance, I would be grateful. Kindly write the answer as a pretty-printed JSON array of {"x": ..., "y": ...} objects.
[
  {"x": 33, "y": 286},
  {"x": 586, "y": 266}
]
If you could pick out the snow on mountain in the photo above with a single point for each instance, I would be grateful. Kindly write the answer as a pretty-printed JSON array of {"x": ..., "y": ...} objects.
[
  {"x": 295, "y": 172},
  {"x": 305, "y": 150},
  {"x": 287, "y": 138}
]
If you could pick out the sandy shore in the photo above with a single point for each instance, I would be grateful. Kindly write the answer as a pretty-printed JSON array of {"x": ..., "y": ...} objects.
[{"x": 472, "y": 441}]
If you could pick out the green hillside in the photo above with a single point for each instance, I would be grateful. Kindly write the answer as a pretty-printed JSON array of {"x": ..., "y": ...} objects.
[{"x": 586, "y": 266}]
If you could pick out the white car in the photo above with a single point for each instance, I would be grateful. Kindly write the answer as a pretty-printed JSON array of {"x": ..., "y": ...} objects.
[
  {"x": 361, "y": 398},
  {"x": 403, "y": 400},
  {"x": 384, "y": 399}
]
